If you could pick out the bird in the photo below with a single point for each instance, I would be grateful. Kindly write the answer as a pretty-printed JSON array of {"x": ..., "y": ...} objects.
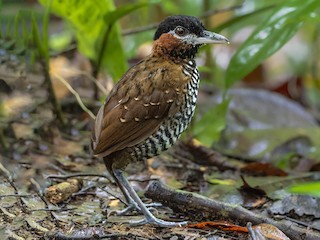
[{"x": 151, "y": 105}]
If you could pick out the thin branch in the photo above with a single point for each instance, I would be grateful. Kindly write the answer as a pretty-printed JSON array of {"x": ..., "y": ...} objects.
[
  {"x": 211, "y": 12},
  {"x": 99, "y": 85},
  {"x": 16, "y": 195},
  {"x": 78, "y": 175},
  {"x": 139, "y": 29},
  {"x": 152, "y": 26},
  {"x": 74, "y": 92},
  {"x": 60, "y": 236},
  {"x": 53, "y": 210},
  {"x": 199, "y": 207}
]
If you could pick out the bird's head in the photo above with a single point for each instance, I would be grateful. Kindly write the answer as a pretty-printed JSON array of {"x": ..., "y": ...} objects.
[{"x": 180, "y": 37}]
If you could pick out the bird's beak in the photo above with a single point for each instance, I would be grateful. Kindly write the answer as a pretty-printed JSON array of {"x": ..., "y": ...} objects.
[{"x": 211, "y": 37}]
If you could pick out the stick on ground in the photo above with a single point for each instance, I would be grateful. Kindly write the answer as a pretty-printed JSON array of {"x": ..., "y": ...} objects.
[{"x": 199, "y": 208}]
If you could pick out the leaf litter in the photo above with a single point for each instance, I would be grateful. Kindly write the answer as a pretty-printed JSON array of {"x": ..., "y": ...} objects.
[{"x": 36, "y": 203}]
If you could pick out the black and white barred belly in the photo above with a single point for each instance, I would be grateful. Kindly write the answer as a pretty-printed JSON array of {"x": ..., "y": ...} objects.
[{"x": 171, "y": 129}]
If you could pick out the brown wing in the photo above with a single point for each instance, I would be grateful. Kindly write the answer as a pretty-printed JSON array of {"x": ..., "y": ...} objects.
[{"x": 145, "y": 96}]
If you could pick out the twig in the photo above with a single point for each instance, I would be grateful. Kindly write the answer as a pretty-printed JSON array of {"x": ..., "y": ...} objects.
[
  {"x": 115, "y": 195},
  {"x": 152, "y": 26},
  {"x": 52, "y": 210},
  {"x": 200, "y": 207},
  {"x": 78, "y": 175},
  {"x": 217, "y": 11},
  {"x": 60, "y": 236},
  {"x": 94, "y": 80},
  {"x": 16, "y": 195},
  {"x": 74, "y": 92},
  {"x": 139, "y": 29}
]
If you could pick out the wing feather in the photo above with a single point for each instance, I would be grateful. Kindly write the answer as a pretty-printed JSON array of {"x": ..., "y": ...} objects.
[{"x": 137, "y": 106}]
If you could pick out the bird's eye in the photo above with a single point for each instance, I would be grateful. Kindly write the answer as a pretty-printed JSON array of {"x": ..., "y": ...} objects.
[{"x": 181, "y": 31}]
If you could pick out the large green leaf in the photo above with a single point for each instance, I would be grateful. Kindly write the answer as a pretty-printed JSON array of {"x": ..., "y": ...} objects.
[
  {"x": 268, "y": 37},
  {"x": 89, "y": 22}
]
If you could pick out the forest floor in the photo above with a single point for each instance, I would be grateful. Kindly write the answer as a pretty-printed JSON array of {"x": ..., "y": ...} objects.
[{"x": 51, "y": 186}]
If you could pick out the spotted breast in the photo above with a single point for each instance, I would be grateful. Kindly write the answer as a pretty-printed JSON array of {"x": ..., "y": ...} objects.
[{"x": 170, "y": 130}]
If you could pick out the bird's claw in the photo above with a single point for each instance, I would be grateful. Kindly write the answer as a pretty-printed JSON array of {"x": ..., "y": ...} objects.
[{"x": 134, "y": 207}]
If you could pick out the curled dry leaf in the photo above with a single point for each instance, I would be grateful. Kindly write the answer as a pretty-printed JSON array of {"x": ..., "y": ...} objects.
[
  {"x": 62, "y": 191},
  {"x": 222, "y": 225},
  {"x": 262, "y": 169},
  {"x": 253, "y": 197},
  {"x": 270, "y": 232}
]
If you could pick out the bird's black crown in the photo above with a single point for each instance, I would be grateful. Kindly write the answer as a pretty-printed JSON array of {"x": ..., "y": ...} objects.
[{"x": 193, "y": 24}]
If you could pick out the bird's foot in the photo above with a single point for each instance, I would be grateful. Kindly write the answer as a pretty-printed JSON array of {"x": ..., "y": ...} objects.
[
  {"x": 157, "y": 222},
  {"x": 130, "y": 208},
  {"x": 134, "y": 207}
]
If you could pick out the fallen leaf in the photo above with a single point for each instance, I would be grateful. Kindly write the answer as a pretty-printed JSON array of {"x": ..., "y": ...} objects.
[
  {"x": 252, "y": 197},
  {"x": 270, "y": 232},
  {"x": 262, "y": 169},
  {"x": 225, "y": 226}
]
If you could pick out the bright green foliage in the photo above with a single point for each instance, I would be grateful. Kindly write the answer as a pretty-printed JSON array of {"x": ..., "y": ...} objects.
[
  {"x": 98, "y": 35},
  {"x": 312, "y": 188},
  {"x": 207, "y": 130},
  {"x": 283, "y": 22}
]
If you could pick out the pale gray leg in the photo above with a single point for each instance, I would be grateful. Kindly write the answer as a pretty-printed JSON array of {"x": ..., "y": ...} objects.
[{"x": 149, "y": 217}]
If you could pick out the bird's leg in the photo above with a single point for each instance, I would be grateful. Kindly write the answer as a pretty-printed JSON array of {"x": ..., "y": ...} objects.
[
  {"x": 149, "y": 217},
  {"x": 131, "y": 204}
]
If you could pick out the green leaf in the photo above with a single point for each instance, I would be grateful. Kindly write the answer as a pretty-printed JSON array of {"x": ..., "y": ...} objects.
[
  {"x": 207, "y": 130},
  {"x": 91, "y": 21},
  {"x": 86, "y": 19},
  {"x": 268, "y": 37},
  {"x": 312, "y": 188},
  {"x": 108, "y": 55}
]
